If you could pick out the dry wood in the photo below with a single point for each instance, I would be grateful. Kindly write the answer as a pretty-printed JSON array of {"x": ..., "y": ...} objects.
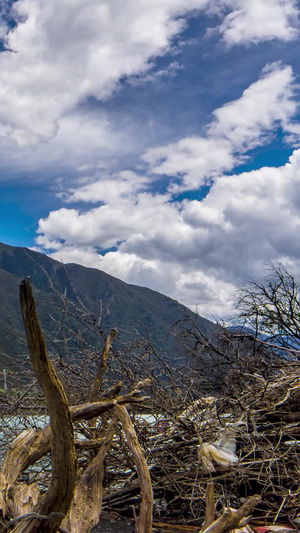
[
  {"x": 102, "y": 365},
  {"x": 116, "y": 495},
  {"x": 3, "y": 495},
  {"x": 59, "y": 495},
  {"x": 25, "y": 450},
  {"x": 111, "y": 392},
  {"x": 232, "y": 518},
  {"x": 91, "y": 410},
  {"x": 87, "y": 502},
  {"x": 210, "y": 505},
  {"x": 172, "y": 528},
  {"x": 265, "y": 410},
  {"x": 100, "y": 373},
  {"x": 31, "y": 445},
  {"x": 22, "y": 499},
  {"x": 144, "y": 522}
]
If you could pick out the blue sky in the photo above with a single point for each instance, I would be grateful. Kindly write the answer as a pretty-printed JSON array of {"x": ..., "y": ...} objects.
[{"x": 156, "y": 140}]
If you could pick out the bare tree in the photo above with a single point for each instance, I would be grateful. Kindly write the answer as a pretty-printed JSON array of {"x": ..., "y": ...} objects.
[
  {"x": 271, "y": 308},
  {"x": 221, "y": 357}
]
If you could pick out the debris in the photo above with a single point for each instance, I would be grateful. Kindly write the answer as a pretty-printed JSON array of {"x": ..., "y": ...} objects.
[{"x": 222, "y": 456}]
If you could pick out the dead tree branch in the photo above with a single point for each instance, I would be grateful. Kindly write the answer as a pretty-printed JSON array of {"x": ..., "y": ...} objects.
[{"x": 59, "y": 495}]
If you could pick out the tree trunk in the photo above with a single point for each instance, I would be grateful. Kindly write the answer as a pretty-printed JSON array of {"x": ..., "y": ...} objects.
[
  {"x": 144, "y": 522},
  {"x": 59, "y": 495}
]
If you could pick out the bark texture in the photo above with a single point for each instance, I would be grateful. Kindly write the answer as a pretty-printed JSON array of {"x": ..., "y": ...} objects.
[
  {"x": 144, "y": 522},
  {"x": 87, "y": 502},
  {"x": 58, "y": 497},
  {"x": 233, "y": 518}
]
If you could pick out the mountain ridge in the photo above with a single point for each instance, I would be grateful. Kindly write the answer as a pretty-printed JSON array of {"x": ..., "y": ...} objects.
[{"x": 133, "y": 310}]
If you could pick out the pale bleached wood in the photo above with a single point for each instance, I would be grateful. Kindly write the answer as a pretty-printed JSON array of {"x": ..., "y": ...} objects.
[
  {"x": 232, "y": 518},
  {"x": 144, "y": 521},
  {"x": 86, "y": 506}
]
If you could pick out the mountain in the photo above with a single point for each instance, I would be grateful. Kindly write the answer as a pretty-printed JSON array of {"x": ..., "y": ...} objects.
[{"x": 134, "y": 311}]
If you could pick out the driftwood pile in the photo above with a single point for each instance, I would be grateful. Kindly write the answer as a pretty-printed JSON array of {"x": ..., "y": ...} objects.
[
  {"x": 246, "y": 444},
  {"x": 154, "y": 462},
  {"x": 69, "y": 499}
]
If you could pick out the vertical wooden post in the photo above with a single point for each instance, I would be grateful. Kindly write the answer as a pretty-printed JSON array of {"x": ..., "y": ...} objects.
[
  {"x": 210, "y": 505},
  {"x": 102, "y": 365},
  {"x": 144, "y": 522}
]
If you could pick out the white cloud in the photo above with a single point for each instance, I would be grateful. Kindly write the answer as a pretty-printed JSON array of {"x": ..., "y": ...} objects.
[
  {"x": 237, "y": 127},
  {"x": 168, "y": 72},
  {"x": 108, "y": 189},
  {"x": 65, "y": 51},
  {"x": 3, "y": 28},
  {"x": 62, "y": 52},
  {"x": 270, "y": 101},
  {"x": 83, "y": 139},
  {"x": 195, "y": 251},
  {"x": 192, "y": 160},
  {"x": 108, "y": 224},
  {"x": 260, "y": 20}
]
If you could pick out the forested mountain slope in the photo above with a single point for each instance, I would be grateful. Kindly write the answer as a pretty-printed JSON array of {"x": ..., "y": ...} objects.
[{"x": 132, "y": 310}]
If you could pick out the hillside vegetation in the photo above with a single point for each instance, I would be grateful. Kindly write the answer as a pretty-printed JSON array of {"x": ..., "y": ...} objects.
[{"x": 136, "y": 312}]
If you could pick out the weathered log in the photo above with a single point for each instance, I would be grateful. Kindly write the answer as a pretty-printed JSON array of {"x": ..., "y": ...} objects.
[
  {"x": 102, "y": 365},
  {"x": 232, "y": 518},
  {"x": 31, "y": 445},
  {"x": 100, "y": 374},
  {"x": 87, "y": 502},
  {"x": 172, "y": 528},
  {"x": 117, "y": 494},
  {"x": 91, "y": 410},
  {"x": 36, "y": 516},
  {"x": 209, "y": 505},
  {"x": 26, "y": 449},
  {"x": 3, "y": 495},
  {"x": 144, "y": 522},
  {"x": 22, "y": 499},
  {"x": 59, "y": 495},
  {"x": 111, "y": 392}
]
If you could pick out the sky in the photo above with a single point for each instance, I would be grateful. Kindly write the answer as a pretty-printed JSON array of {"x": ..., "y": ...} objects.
[{"x": 156, "y": 140}]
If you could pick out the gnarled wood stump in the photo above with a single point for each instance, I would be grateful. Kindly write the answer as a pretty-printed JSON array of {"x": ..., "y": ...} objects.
[{"x": 72, "y": 499}]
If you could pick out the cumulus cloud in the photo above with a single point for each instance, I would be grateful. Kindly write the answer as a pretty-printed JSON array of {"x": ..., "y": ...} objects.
[
  {"x": 259, "y": 20},
  {"x": 63, "y": 57},
  {"x": 236, "y": 128},
  {"x": 83, "y": 138},
  {"x": 195, "y": 251},
  {"x": 108, "y": 224},
  {"x": 62, "y": 52},
  {"x": 109, "y": 189}
]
